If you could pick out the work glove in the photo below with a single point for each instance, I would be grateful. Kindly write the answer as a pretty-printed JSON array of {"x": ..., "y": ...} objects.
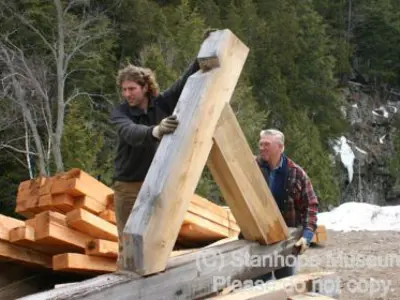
[
  {"x": 167, "y": 125},
  {"x": 301, "y": 245}
]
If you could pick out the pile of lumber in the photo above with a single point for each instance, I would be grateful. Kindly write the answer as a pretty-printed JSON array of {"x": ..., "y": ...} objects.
[{"x": 71, "y": 224}]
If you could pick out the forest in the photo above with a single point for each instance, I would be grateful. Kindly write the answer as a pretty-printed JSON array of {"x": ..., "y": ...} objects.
[{"x": 59, "y": 60}]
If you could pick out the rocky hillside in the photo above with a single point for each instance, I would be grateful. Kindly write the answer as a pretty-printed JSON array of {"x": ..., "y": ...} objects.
[{"x": 369, "y": 153}]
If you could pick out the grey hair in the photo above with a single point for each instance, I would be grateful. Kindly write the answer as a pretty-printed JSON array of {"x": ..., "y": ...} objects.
[{"x": 276, "y": 133}]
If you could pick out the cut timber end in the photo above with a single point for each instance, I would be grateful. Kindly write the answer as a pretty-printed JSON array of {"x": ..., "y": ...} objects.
[
  {"x": 83, "y": 263},
  {"x": 6, "y": 224},
  {"x": 163, "y": 200},
  {"x": 235, "y": 171},
  {"x": 208, "y": 56}
]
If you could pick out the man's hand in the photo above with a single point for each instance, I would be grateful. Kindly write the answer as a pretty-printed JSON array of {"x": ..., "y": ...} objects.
[
  {"x": 301, "y": 245},
  {"x": 167, "y": 125}
]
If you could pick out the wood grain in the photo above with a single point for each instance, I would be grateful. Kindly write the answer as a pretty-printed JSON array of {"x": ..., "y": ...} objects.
[{"x": 159, "y": 211}]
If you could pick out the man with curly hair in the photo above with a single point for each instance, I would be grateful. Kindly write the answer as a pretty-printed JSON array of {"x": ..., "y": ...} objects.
[
  {"x": 140, "y": 121},
  {"x": 292, "y": 191}
]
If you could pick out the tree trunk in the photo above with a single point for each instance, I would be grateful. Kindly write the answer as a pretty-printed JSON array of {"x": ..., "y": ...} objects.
[{"x": 28, "y": 116}]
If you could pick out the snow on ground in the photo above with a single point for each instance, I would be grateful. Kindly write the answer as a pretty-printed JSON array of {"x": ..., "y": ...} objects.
[{"x": 355, "y": 216}]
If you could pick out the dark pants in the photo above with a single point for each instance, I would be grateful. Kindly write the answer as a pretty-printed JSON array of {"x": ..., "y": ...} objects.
[{"x": 125, "y": 194}]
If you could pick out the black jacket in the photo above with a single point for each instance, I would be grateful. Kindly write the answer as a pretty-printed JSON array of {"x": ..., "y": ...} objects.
[{"x": 136, "y": 145}]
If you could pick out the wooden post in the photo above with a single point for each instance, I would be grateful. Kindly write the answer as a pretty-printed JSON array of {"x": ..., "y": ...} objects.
[
  {"x": 240, "y": 180},
  {"x": 155, "y": 221}
]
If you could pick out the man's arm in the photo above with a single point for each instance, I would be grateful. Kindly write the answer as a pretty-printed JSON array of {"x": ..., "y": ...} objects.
[
  {"x": 170, "y": 97},
  {"x": 132, "y": 133},
  {"x": 311, "y": 204}
]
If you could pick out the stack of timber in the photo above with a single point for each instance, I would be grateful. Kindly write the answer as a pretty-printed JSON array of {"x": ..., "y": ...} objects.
[{"x": 71, "y": 224}]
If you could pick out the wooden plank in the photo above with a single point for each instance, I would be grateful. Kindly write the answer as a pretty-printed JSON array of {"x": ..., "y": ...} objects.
[
  {"x": 89, "y": 204},
  {"x": 25, "y": 236},
  {"x": 197, "y": 229},
  {"x": 292, "y": 287},
  {"x": 59, "y": 202},
  {"x": 242, "y": 185},
  {"x": 31, "y": 222},
  {"x": 89, "y": 180},
  {"x": 45, "y": 187},
  {"x": 92, "y": 225},
  {"x": 51, "y": 229},
  {"x": 209, "y": 212},
  {"x": 6, "y": 224},
  {"x": 27, "y": 207},
  {"x": 110, "y": 202},
  {"x": 98, "y": 247},
  {"x": 77, "y": 188},
  {"x": 310, "y": 296},
  {"x": 84, "y": 263},
  {"x": 224, "y": 212},
  {"x": 320, "y": 235},
  {"x": 185, "y": 276},
  {"x": 164, "y": 199},
  {"x": 109, "y": 216},
  {"x": 24, "y": 255}
]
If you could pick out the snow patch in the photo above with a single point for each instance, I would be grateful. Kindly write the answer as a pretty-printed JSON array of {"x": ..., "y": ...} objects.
[
  {"x": 354, "y": 105},
  {"x": 355, "y": 216},
  {"x": 346, "y": 155},
  {"x": 382, "y": 138},
  {"x": 381, "y": 111}
]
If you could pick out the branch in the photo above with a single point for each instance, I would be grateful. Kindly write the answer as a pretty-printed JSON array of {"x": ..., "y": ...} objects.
[
  {"x": 16, "y": 158},
  {"x": 79, "y": 70},
  {"x": 28, "y": 70},
  {"x": 33, "y": 28},
  {"x": 69, "y": 6},
  {"x": 90, "y": 95},
  {"x": 79, "y": 46},
  {"x": 6, "y": 146}
]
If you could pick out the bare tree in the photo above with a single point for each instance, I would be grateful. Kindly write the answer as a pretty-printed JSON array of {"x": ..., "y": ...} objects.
[{"x": 28, "y": 80}]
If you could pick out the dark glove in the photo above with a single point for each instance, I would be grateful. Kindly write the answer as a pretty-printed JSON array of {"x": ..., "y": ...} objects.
[{"x": 166, "y": 126}]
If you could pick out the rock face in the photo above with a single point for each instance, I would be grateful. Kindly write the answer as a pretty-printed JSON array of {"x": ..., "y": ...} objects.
[{"x": 367, "y": 153}]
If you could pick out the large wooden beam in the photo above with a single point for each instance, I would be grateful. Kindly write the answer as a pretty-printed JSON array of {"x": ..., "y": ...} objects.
[
  {"x": 6, "y": 224},
  {"x": 76, "y": 262},
  {"x": 91, "y": 225},
  {"x": 291, "y": 287},
  {"x": 188, "y": 276},
  {"x": 240, "y": 180},
  {"x": 24, "y": 255},
  {"x": 155, "y": 221},
  {"x": 51, "y": 229}
]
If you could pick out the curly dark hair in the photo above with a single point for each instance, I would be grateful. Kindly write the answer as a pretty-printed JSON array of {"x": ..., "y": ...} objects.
[{"x": 139, "y": 75}]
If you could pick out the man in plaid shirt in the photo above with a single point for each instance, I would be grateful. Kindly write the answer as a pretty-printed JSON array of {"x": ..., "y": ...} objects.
[{"x": 292, "y": 190}]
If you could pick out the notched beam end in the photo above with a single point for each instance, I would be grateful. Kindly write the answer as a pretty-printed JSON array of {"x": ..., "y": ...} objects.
[
  {"x": 208, "y": 57},
  {"x": 209, "y": 63}
]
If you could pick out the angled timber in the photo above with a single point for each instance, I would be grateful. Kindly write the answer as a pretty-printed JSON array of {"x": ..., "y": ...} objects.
[
  {"x": 188, "y": 276},
  {"x": 241, "y": 183},
  {"x": 155, "y": 220}
]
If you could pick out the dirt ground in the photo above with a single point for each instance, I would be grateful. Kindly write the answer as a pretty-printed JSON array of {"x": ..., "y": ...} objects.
[{"x": 367, "y": 264}]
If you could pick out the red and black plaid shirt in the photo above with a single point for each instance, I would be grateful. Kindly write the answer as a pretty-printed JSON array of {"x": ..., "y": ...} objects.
[{"x": 302, "y": 206}]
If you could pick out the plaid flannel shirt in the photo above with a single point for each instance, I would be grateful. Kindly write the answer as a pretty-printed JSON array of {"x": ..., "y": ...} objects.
[{"x": 302, "y": 203}]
